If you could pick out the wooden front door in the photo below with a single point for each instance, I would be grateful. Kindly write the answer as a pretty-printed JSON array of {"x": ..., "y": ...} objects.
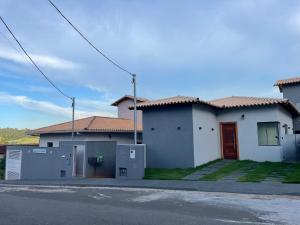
[{"x": 229, "y": 141}]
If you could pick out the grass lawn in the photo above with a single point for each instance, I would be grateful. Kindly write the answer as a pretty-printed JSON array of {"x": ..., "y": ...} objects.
[
  {"x": 2, "y": 167},
  {"x": 265, "y": 169},
  {"x": 25, "y": 140},
  {"x": 227, "y": 170},
  {"x": 294, "y": 175},
  {"x": 173, "y": 174},
  {"x": 254, "y": 172}
]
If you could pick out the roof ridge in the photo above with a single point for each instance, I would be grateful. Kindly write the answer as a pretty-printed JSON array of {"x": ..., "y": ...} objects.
[
  {"x": 108, "y": 117},
  {"x": 90, "y": 123},
  {"x": 248, "y": 97},
  {"x": 175, "y": 96}
]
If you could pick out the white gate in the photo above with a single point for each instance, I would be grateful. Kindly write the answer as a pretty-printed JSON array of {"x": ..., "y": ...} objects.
[{"x": 13, "y": 164}]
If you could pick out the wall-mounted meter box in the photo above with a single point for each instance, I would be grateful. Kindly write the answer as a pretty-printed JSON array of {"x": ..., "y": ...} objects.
[{"x": 132, "y": 153}]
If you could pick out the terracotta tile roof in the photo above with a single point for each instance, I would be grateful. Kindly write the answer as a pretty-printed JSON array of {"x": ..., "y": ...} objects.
[
  {"x": 91, "y": 124},
  {"x": 171, "y": 101},
  {"x": 293, "y": 80},
  {"x": 229, "y": 102},
  {"x": 128, "y": 97},
  {"x": 239, "y": 101}
]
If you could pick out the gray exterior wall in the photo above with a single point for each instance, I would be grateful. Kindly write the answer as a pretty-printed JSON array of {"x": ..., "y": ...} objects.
[
  {"x": 206, "y": 134},
  {"x": 168, "y": 147},
  {"x": 292, "y": 92},
  {"x": 45, "y": 166},
  {"x": 120, "y": 138},
  {"x": 49, "y": 165},
  {"x": 247, "y": 130},
  {"x": 124, "y": 112},
  {"x": 135, "y": 167}
]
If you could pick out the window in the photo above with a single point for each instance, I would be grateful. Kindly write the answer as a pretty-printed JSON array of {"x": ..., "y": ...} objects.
[
  {"x": 50, "y": 144},
  {"x": 268, "y": 133}
]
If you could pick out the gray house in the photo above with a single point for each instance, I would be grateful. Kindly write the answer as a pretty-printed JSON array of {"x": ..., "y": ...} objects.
[
  {"x": 95, "y": 128},
  {"x": 182, "y": 132},
  {"x": 290, "y": 89}
]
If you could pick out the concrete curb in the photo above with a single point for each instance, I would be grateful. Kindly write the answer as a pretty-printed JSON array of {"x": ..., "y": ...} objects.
[{"x": 206, "y": 186}]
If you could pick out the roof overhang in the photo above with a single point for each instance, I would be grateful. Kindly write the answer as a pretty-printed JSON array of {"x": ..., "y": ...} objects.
[
  {"x": 154, "y": 104},
  {"x": 117, "y": 102},
  {"x": 82, "y": 131},
  {"x": 287, "y": 82}
]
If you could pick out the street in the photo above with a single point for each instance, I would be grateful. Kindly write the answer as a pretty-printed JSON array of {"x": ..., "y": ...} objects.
[{"x": 39, "y": 205}]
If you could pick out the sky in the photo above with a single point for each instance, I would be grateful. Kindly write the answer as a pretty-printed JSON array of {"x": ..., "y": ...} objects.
[{"x": 207, "y": 49}]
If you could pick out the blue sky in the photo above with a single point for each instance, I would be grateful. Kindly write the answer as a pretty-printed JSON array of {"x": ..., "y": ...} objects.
[{"x": 208, "y": 49}]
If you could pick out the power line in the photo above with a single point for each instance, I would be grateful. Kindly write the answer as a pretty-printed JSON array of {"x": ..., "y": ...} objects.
[
  {"x": 112, "y": 62},
  {"x": 36, "y": 66},
  {"x": 90, "y": 43},
  {"x": 13, "y": 46}
]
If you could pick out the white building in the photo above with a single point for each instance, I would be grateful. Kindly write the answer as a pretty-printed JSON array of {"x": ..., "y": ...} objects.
[{"x": 182, "y": 132}]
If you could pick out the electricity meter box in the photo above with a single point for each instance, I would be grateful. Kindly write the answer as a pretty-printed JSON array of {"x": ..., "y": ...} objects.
[{"x": 130, "y": 161}]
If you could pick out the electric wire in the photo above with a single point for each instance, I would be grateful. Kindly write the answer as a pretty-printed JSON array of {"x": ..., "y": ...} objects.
[
  {"x": 32, "y": 61},
  {"x": 89, "y": 42},
  {"x": 13, "y": 46}
]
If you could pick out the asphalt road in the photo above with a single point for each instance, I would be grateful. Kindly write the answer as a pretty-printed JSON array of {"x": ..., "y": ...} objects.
[{"x": 35, "y": 205}]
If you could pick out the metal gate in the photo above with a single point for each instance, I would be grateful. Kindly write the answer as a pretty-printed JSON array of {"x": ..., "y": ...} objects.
[
  {"x": 80, "y": 160},
  {"x": 13, "y": 164}
]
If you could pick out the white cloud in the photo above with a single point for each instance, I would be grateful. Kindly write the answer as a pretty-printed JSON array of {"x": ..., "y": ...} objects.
[
  {"x": 41, "y": 60},
  {"x": 95, "y": 87},
  {"x": 51, "y": 108}
]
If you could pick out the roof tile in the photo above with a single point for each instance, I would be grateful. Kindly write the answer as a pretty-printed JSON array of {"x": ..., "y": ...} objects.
[
  {"x": 170, "y": 101},
  {"x": 239, "y": 101},
  {"x": 91, "y": 124},
  {"x": 293, "y": 80}
]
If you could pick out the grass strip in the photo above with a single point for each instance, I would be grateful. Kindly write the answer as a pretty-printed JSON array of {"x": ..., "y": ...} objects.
[
  {"x": 227, "y": 170},
  {"x": 266, "y": 169},
  {"x": 294, "y": 175},
  {"x": 173, "y": 174}
]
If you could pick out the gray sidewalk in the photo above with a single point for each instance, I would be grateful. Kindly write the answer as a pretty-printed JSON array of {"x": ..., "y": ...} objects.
[{"x": 208, "y": 186}]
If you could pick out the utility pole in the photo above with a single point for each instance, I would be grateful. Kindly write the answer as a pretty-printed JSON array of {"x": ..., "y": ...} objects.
[
  {"x": 134, "y": 105},
  {"x": 73, "y": 131},
  {"x": 73, "y": 118}
]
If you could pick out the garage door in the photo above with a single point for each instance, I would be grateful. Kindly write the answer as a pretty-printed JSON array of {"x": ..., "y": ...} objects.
[{"x": 13, "y": 165}]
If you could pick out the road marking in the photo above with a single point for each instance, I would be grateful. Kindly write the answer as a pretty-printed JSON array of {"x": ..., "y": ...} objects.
[
  {"x": 243, "y": 222},
  {"x": 36, "y": 190},
  {"x": 99, "y": 196}
]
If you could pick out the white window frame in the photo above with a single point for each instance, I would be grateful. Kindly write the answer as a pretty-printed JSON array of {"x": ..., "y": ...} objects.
[{"x": 278, "y": 133}]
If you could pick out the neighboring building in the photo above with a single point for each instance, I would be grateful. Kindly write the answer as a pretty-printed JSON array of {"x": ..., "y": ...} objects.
[
  {"x": 290, "y": 89},
  {"x": 95, "y": 128},
  {"x": 182, "y": 132},
  {"x": 89, "y": 129},
  {"x": 123, "y": 104}
]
